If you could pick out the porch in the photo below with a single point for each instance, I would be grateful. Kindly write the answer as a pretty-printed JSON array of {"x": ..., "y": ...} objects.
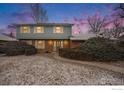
[{"x": 48, "y": 45}]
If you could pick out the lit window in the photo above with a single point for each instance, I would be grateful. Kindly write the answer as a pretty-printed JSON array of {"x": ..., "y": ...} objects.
[
  {"x": 40, "y": 44},
  {"x": 25, "y": 29},
  {"x": 29, "y": 42},
  {"x": 58, "y": 29},
  {"x": 38, "y": 29}
]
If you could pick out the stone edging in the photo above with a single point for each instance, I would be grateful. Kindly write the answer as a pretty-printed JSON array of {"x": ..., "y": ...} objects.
[{"x": 96, "y": 64}]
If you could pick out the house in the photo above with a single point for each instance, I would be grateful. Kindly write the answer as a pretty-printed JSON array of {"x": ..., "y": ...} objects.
[
  {"x": 45, "y": 36},
  {"x": 5, "y": 38},
  {"x": 77, "y": 39}
]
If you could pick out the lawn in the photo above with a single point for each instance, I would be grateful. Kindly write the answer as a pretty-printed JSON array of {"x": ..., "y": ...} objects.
[{"x": 44, "y": 69}]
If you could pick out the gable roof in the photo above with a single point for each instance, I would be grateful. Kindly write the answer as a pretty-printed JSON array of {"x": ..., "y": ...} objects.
[
  {"x": 50, "y": 24},
  {"x": 6, "y": 38}
]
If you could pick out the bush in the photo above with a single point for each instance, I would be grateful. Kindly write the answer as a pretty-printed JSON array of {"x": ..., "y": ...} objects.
[
  {"x": 121, "y": 44},
  {"x": 95, "y": 49},
  {"x": 14, "y": 52},
  {"x": 30, "y": 50},
  {"x": 101, "y": 49},
  {"x": 72, "y": 54},
  {"x": 2, "y": 49},
  {"x": 18, "y": 48}
]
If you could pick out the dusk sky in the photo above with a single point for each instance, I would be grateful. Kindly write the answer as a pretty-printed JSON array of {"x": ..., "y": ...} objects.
[{"x": 17, "y": 13}]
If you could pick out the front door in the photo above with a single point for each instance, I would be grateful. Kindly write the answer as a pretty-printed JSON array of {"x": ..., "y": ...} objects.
[
  {"x": 57, "y": 44},
  {"x": 53, "y": 45}
]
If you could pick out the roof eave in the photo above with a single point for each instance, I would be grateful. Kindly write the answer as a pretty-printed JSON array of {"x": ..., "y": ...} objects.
[{"x": 65, "y": 24}]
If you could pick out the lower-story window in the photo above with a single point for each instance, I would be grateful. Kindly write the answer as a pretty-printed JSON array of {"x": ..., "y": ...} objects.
[
  {"x": 40, "y": 44},
  {"x": 27, "y": 41}
]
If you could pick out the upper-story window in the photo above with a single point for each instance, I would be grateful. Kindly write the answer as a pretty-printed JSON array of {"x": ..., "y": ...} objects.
[
  {"x": 58, "y": 29},
  {"x": 38, "y": 29},
  {"x": 25, "y": 29}
]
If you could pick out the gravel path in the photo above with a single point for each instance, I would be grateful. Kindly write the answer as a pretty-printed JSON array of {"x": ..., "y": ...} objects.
[{"x": 45, "y": 70}]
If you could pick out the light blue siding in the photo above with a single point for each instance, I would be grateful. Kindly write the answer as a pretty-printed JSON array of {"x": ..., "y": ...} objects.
[{"x": 48, "y": 33}]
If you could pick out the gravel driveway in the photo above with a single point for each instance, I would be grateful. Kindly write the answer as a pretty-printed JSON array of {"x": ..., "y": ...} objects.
[{"x": 45, "y": 70}]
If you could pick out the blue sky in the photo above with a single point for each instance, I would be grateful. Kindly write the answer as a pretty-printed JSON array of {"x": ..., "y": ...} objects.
[{"x": 56, "y": 12}]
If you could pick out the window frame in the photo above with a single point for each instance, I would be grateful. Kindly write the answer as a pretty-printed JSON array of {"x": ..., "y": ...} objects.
[
  {"x": 61, "y": 30},
  {"x": 37, "y": 44},
  {"x": 35, "y": 30},
  {"x": 21, "y": 29}
]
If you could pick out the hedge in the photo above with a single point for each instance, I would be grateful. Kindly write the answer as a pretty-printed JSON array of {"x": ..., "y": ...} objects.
[
  {"x": 30, "y": 50},
  {"x": 18, "y": 48},
  {"x": 95, "y": 49}
]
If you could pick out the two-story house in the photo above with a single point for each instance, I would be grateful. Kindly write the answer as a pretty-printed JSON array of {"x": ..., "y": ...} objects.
[{"x": 45, "y": 36}]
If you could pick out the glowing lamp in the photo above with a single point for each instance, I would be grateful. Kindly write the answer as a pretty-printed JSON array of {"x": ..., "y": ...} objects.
[
  {"x": 66, "y": 42},
  {"x": 50, "y": 42}
]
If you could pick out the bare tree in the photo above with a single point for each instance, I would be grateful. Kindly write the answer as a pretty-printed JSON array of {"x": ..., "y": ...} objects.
[
  {"x": 120, "y": 10},
  {"x": 107, "y": 33},
  {"x": 114, "y": 32},
  {"x": 38, "y": 13},
  {"x": 96, "y": 23},
  {"x": 118, "y": 29}
]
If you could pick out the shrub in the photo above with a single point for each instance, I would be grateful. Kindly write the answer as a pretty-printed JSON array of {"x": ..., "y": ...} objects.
[
  {"x": 18, "y": 48},
  {"x": 73, "y": 54},
  {"x": 121, "y": 44},
  {"x": 2, "y": 49},
  {"x": 101, "y": 49},
  {"x": 30, "y": 50},
  {"x": 95, "y": 49},
  {"x": 14, "y": 52}
]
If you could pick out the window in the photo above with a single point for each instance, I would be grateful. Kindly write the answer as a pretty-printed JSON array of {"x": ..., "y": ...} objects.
[
  {"x": 58, "y": 29},
  {"x": 38, "y": 29},
  {"x": 25, "y": 29},
  {"x": 61, "y": 44},
  {"x": 29, "y": 42},
  {"x": 40, "y": 44}
]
